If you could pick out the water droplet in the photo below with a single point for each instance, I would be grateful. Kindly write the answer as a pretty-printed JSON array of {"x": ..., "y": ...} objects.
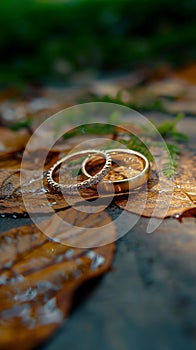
[
  {"x": 51, "y": 204},
  {"x": 8, "y": 265},
  {"x": 49, "y": 313},
  {"x": 8, "y": 239},
  {"x": 97, "y": 260},
  {"x": 22, "y": 311},
  {"x": 14, "y": 216},
  {"x": 3, "y": 280},
  {"x": 44, "y": 286},
  {"x": 178, "y": 217},
  {"x": 69, "y": 253},
  {"x": 18, "y": 278},
  {"x": 28, "y": 295},
  {"x": 43, "y": 190}
]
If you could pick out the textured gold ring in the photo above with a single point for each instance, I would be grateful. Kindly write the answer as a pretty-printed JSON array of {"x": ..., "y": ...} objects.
[
  {"x": 91, "y": 180},
  {"x": 127, "y": 183}
]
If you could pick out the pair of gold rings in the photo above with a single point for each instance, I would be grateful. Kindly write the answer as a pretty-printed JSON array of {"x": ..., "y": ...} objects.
[{"x": 111, "y": 170}]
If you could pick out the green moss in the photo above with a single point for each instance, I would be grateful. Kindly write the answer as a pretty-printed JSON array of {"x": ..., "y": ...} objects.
[
  {"x": 21, "y": 125},
  {"x": 168, "y": 129},
  {"x": 171, "y": 167},
  {"x": 93, "y": 129},
  {"x": 150, "y": 105},
  {"x": 137, "y": 145}
]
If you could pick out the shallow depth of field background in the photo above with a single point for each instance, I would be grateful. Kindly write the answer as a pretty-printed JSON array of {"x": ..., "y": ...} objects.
[{"x": 45, "y": 41}]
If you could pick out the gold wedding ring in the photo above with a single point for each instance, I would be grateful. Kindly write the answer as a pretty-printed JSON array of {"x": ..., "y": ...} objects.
[{"x": 120, "y": 180}]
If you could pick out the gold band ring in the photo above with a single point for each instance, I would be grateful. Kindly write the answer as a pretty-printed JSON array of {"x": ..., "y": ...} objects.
[{"x": 124, "y": 184}]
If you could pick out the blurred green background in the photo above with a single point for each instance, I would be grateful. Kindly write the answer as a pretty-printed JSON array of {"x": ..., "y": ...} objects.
[{"x": 45, "y": 41}]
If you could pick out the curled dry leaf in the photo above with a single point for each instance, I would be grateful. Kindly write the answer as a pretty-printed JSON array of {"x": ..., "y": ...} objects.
[{"x": 38, "y": 278}]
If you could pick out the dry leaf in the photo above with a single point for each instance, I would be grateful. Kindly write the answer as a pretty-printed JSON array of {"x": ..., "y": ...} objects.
[
  {"x": 187, "y": 73},
  {"x": 12, "y": 141},
  {"x": 11, "y": 200},
  {"x": 38, "y": 279},
  {"x": 169, "y": 201}
]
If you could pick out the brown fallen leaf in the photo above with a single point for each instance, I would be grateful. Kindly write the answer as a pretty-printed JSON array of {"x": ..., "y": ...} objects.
[
  {"x": 38, "y": 279},
  {"x": 168, "y": 201},
  {"x": 12, "y": 141},
  {"x": 11, "y": 199},
  {"x": 11, "y": 191},
  {"x": 187, "y": 73}
]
